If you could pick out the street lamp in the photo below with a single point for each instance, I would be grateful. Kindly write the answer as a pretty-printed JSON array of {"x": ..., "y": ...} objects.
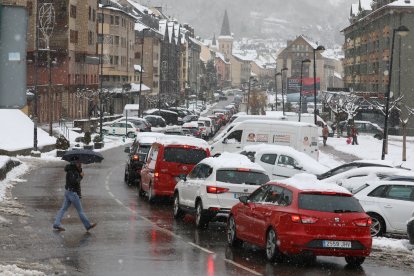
[
  {"x": 248, "y": 95},
  {"x": 277, "y": 74},
  {"x": 140, "y": 73},
  {"x": 306, "y": 62},
  {"x": 283, "y": 98},
  {"x": 318, "y": 49},
  {"x": 402, "y": 31}
]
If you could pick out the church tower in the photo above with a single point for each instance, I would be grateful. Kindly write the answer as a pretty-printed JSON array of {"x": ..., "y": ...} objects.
[{"x": 225, "y": 40}]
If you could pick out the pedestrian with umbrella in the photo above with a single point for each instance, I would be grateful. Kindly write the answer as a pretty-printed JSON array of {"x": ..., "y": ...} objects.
[{"x": 74, "y": 175}]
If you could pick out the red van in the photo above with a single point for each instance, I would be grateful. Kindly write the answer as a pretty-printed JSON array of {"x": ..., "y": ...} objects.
[{"x": 168, "y": 158}]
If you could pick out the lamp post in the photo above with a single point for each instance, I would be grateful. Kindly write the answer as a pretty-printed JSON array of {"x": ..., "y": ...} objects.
[
  {"x": 140, "y": 73},
  {"x": 277, "y": 74},
  {"x": 320, "y": 48},
  {"x": 248, "y": 96},
  {"x": 283, "y": 98},
  {"x": 402, "y": 31},
  {"x": 306, "y": 62}
]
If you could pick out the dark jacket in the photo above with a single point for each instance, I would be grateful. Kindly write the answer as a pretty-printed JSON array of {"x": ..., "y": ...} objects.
[{"x": 73, "y": 178}]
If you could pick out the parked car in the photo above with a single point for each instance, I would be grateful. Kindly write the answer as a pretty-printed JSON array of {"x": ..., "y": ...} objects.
[
  {"x": 389, "y": 203},
  {"x": 355, "y": 178},
  {"x": 137, "y": 153},
  {"x": 193, "y": 129},
  {"x": 410, "y": 229},
  {"x": 170, "y": 117},
  {"x": 155, "y": 121},
  {"x": 302, "y": 215},
  {"x": 174, "y": 131},
  {"x": 208, "y": 125},
  {"x": 128, "y": 129},
  {"x": 142, "y": 124},
  {"x": 282, "y": 161},
  {"x": 214, "y": 185},
  {"x": 363, "y": 127},
  {"x": 353, "y": 165},
  {"x": 168, "y": 158},
  {"x": 190, "y": 118}
]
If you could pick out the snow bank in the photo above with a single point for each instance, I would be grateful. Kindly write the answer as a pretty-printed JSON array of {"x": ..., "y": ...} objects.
[
  {"x": 11, "y": 179},
  {"x": 17, "y": 131},
  {"x": 3, "y": 161},
  {"x": 391, "y": 244},
  {"x": 13, "y": 270}
]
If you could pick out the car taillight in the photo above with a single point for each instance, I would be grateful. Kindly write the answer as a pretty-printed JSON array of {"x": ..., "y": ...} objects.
[
  {"x": 197, "y": 133},
  {"x": 135, "y": 157},
  {"x": 303, "y": 219},
  {"x": 363, "y": 222},
  {"x": 216, "y": 190}
]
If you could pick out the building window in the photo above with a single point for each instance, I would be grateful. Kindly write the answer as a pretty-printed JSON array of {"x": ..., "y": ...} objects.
[
  {"x": 90, "y": 13},
  {"x": 112, "y": 20},
  {"x": 90, "y": 38},
  {"x": 137, "y": 55},
  {"x": 99, "y": 17},
  {"x": 93, "y": 15},
  {"x": 117, "y": 20},
  {"x": 72, "y": 11},
  {"x": 73, "y": 36}
]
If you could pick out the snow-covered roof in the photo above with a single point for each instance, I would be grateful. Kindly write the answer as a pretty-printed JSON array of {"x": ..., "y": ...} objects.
[
  {"x": 309, "y": 182},
  {"x": 191, "y": 124},
  {"x": 221, "y": 56},
  {"x": 232, "y": 161},
  {"x": 131, "y": 107},
  {"x": 365, "y": 5},
  {"x": 148, "y": 137},
  {"x": 136, "y": 87},
  {"x": 265, "y": 61},
  {"x": 354, "y": 9},
  {"x": 183, "y": 140},
  {"x": 402, "y": 3},
  {"x": 245, "y": 55},
  {"x": 310, "y": 42},
  {"x": 141, "y": 8}
]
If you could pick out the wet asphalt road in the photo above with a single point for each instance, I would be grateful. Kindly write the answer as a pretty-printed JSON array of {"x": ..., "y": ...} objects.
[{"x": 132, "y": 236}]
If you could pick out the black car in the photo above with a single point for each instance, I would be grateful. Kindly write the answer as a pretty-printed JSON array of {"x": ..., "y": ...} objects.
[
  {"x": 155, "y": 120},
  {"x": 170, "y": 117},
  {"x": 352, "y": 165}
]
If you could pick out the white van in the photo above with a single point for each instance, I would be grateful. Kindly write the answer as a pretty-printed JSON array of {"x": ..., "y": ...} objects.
[
  {"x": 300, "y": 136},
  {"x": 242, "y": 118}
]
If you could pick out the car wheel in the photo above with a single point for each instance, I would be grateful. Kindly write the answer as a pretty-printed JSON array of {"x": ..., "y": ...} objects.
[
  {"x": 178, "y": 213},
  {"x": 354, "y": 260},
  {"x": 151, "y": 196},
  {"x": 378, "y": 136},
  {"x": 105, "y": 132},
  {"x": 126, "y": 178},
  {"x": 201, "y": 219},
  {"x": 232, "y": 239},
  {"x": 130, "y": 135},
  {"x": 377, "y": 226},
  {"x": 272, "y": 249}
]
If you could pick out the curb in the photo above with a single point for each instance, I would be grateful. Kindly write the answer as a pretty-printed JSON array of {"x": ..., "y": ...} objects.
[{"x": 8, "y": 167}]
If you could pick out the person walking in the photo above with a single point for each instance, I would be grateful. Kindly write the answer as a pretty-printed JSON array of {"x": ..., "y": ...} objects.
[
  {"x": 74, "y": 175},
  {"x": 325, "y": 134},
  {"x": 354, "y": 134}
]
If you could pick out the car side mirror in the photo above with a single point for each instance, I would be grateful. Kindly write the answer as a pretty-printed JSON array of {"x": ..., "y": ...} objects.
[
  {"x": 127, "y": 150},
  {"x": 183, "y": 177},
  {"x": 244, "y": 199},
  {"x": 300, "y": 168}
]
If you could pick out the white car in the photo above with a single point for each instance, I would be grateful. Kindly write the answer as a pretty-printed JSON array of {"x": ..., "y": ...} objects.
[
  {"x": 355, "y": 178},
  {"x": 214, "y": 186},
  {"x": 390, "y": 204},
  {"x": 208, "y": 125},
  {"x": 121, "y": 128},
  {"x": 282, "y": 162}
]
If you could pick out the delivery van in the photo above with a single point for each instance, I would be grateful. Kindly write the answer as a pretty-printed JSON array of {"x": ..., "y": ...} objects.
[{"x": 301, "y": 136}]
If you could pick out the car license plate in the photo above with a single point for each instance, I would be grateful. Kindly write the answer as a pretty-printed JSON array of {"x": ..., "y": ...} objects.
[
  {"x": 237, "y": 195},
  {"x": 337, "y": 244}
]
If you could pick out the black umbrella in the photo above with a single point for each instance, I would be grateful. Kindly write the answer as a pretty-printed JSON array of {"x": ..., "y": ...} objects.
[{"x": 84, "y": 156}]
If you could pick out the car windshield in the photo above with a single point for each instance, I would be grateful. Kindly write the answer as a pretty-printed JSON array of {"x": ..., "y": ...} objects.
[
  {"x": 332, "y": 203},
  {"x": 184, "y": 155},
  {"x": 240, "y": 177}
]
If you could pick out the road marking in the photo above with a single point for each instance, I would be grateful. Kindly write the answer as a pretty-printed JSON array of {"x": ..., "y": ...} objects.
[
  {"x": 201, "y": 248},
  {"x": 161, "y": 229},
  {"x": 242, "y": 267}
]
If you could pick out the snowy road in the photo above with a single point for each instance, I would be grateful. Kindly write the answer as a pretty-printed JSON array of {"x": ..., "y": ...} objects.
[{"x": 132, "y": 236}]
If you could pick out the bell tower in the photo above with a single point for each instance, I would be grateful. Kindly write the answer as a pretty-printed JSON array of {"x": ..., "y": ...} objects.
[{"x": 225, "y": 40}]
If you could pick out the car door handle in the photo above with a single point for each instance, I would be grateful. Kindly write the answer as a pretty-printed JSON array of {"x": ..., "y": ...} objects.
[{"x": 387, "y": 206}]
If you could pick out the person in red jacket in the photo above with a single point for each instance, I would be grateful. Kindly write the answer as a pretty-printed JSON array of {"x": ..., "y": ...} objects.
[
  {"x": 325, "y": 134},
  {"x": 354, "y": 134}
]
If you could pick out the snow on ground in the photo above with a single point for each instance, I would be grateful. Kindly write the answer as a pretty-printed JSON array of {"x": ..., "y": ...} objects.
[
  {"x": 13, "y": 270},
  {"x": 12, "y": 178},
  {"x": 371, "y": 148}
]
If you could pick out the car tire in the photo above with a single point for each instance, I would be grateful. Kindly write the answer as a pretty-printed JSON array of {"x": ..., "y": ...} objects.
[
  {"x": 151, "y": 196},
  {"x": 131, "y": 135},
  {"x": 177, "y": 211},
  {"x": 105, "y": 132},
  {"x": 378, "y": 136},
  {"x": 126, "y": 178},
  {"x": 377, "y": 226},
  {"x": 232, "y": 239},
  {"x": 354, "y": 260},
  {"x": 201, "y": 218},
  {"x": 272, "y": 249}
]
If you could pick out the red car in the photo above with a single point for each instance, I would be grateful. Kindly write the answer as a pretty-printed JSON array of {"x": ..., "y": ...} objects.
[
  {"x": 168, "y": 158},
  {"x": 290, "y": 218}
]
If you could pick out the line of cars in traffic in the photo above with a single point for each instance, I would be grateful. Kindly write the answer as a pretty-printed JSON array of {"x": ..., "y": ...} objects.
[{"x": 317, "y": 213}]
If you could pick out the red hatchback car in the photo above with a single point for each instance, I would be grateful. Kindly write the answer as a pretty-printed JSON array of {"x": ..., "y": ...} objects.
[
  {"x": 168, "y": 158},
  {"x": 302, "y": 216}
]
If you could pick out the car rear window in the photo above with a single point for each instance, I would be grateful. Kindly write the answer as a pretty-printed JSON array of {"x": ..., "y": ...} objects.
[
  {"x": 329, "y": 203},
  {"x": 184, "y": 155},
  {"x": 240, "y": 177}
]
